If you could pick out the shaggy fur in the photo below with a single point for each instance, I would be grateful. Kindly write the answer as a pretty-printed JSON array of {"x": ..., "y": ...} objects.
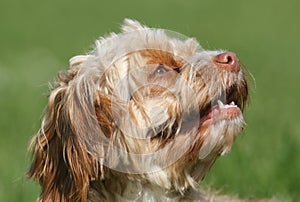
[{"x": 143, "y": 117}]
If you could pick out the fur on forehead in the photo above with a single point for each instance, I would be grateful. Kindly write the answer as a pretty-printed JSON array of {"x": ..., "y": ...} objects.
[{"x": 136, "y": 37}]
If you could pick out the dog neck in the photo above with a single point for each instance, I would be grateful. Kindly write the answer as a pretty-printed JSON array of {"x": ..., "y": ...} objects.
[{"x": 116, "y": 189}]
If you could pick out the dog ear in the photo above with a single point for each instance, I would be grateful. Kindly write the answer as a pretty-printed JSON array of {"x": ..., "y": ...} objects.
[
  {"x": 67, "y": 148},
  {"x": 132, "y": 25}
]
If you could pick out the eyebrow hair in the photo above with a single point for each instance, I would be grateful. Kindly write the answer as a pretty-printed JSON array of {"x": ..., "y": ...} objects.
[{"x": 163, "y": 58}]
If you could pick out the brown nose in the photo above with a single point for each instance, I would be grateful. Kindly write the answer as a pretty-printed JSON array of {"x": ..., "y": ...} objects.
[{"x": 229, "y": 61}]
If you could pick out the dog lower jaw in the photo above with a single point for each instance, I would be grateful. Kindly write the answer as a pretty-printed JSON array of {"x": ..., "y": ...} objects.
[
  {"x": 212, "y": 135},
  {"x": 221, "y": 133},
  {"x": 216, "y": 133}
]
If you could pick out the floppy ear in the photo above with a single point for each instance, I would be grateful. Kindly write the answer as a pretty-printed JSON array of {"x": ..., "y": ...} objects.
[
  {"x": 132, "y": 25},
  {"x": 65, "y": 157}
]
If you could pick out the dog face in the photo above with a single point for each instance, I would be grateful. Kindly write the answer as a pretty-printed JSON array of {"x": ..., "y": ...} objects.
[{"x": 146, "y": 104}]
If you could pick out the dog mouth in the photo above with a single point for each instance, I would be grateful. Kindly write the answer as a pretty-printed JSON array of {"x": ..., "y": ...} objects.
[
  {"x": 219, "y": 112},
  {"x": 228, "y": 106}
]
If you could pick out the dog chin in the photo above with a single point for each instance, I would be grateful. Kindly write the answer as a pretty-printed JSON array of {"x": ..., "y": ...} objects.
[{"x": 222, "y": 129}]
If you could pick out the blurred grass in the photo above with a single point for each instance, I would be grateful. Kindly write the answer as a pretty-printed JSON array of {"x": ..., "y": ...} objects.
[{"x": 38, "y": 37}]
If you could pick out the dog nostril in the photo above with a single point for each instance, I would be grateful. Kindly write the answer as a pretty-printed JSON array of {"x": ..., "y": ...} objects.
[{"x": 228, "y": 60}]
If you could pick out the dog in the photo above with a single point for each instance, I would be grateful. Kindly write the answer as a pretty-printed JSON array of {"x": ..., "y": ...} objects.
[{"x": 142, "y": 117}]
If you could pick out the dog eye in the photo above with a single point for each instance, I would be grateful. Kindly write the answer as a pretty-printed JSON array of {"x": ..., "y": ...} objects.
[{"x": 161, "y": 69}]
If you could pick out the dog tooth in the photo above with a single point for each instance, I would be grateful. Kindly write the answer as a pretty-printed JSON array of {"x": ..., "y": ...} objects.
[
  {"x": 232, "y": 103},
  {"x": 220, "y": 103}
]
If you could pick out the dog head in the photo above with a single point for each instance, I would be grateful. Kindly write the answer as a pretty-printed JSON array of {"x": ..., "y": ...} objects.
[{"x": 148, "y": 104}]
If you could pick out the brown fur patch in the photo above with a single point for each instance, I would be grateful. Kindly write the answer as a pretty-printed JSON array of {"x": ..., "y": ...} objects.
[{"x": 162, "y": 57}]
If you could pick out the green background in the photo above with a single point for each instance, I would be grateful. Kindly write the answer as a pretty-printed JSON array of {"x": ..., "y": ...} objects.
[{"x": 37, "y": 38}]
